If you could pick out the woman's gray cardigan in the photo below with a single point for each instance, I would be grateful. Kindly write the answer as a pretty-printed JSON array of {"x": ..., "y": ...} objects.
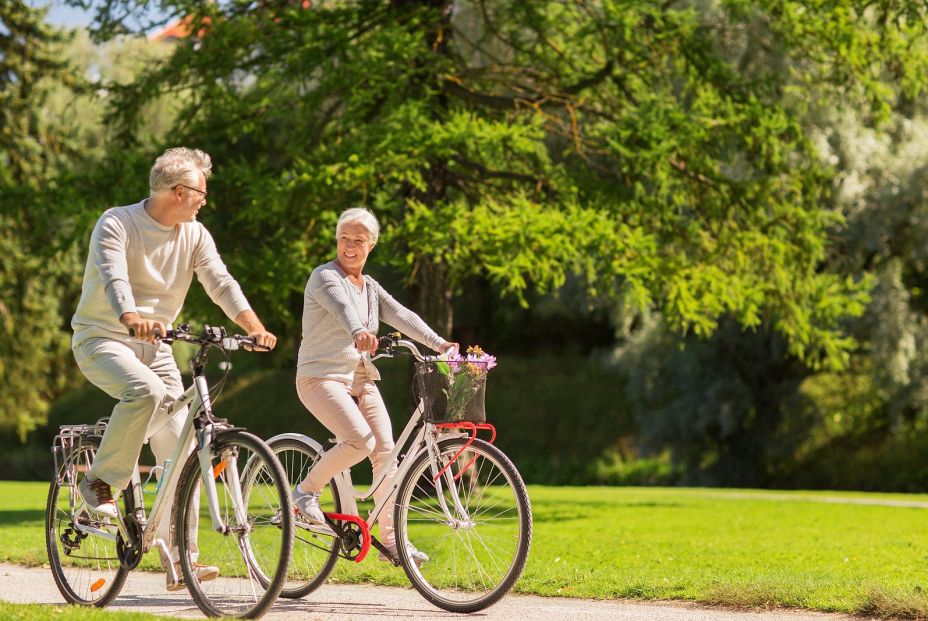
[{"x": 331, "y": 321}]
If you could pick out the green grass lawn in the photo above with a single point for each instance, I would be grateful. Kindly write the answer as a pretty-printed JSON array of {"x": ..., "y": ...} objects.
[
  {"x": 744, "y": 548},
  {"x": 37, "y": 612}
]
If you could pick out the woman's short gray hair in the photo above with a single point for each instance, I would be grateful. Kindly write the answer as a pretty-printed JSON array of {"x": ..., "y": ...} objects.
[
  {"x": 178, "y": 166},
  {"x": 363, "y": 216}
]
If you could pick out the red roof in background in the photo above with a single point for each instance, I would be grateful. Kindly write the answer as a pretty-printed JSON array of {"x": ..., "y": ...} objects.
[
  {"x": 178, "y": 30},
  {"x": 182, "y": 28}
]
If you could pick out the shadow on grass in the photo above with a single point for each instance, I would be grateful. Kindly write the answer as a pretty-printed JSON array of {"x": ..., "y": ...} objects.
[{"x": 12, "y": 517}]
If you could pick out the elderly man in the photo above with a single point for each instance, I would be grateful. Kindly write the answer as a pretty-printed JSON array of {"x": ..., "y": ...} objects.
[{"x": 140, "y": 265}]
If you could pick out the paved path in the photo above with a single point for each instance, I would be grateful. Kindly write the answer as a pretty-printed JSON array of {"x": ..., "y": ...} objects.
[{"x": 145, "y": 592}]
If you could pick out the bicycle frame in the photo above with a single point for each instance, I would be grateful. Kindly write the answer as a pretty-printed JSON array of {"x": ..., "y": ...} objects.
[
  {"x": 416, "y": 436},
  {"x": 197, "y": 398}
]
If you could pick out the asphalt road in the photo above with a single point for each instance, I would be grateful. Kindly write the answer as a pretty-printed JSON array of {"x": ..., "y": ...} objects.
[{"x": 145, "y": 592}]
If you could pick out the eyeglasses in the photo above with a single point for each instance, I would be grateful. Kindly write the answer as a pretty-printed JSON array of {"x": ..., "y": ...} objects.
[{"x": 194, "y": 189}]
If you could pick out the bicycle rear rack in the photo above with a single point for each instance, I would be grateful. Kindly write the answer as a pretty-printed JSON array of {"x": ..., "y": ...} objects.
[{"x": 69, "y": 438}]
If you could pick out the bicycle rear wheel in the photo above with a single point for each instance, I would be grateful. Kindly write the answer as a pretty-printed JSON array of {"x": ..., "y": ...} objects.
[
  {"x": 315, "y": 548},
  {"x": 253, "y": 550},
  {"x": 476, "y": 550},
  {"x": 85, "y": 566}
]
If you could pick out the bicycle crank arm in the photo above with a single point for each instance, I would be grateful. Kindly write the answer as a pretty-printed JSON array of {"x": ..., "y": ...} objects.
[{"x": 96, "y": 532}]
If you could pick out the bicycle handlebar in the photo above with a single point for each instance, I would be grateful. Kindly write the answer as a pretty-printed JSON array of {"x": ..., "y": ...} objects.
[
  {"x": 214, "y": 335},
  {"x": 391, "y": 341}
]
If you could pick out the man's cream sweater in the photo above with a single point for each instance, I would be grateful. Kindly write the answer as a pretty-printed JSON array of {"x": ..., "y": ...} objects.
[{"x": 137, "y": 264}]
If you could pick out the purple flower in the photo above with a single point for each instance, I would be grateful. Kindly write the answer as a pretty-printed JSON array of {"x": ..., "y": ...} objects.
[{"x": 476, "y": 362}]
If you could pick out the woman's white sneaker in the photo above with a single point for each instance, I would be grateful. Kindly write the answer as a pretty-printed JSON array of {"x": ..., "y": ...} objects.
[{"x": 308, "y": 504}]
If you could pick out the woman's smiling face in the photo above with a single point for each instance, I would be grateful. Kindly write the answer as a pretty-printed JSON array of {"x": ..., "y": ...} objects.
[{"x": 353, "y": 246}]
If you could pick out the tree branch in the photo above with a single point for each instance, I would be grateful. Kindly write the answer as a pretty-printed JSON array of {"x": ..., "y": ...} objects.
[
  {"x": 455, "y": 86},
  {"x": 498, "y": 174}
]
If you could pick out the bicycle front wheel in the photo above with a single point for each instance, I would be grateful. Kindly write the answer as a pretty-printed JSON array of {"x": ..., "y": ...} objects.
[
  {"x": 81, "y": 547},
  {"x": 474, "y": 522},
  {"x": 253, "y": 544}
]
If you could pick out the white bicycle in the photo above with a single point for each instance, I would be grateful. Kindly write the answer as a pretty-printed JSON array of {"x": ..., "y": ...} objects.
[
  {"x": 459, "y": 499},
  {"x": 244, "y": 524}
]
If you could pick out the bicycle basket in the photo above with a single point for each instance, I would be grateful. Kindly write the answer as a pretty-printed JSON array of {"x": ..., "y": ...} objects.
[{"x": 450, "y": 397}]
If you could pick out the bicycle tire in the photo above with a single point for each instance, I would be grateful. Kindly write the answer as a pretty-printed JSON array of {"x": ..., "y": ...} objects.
[
  {"x": 455, "y": 577},
  {"x": 262, "y": 545},
  {"x": 310, "y": 565},
  {"x": 105, "y": 575}
]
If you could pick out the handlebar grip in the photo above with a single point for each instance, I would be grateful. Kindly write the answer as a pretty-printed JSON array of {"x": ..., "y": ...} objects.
[
  {"x": 388, "y": 340},
  {"x": 157, "y": 332}
]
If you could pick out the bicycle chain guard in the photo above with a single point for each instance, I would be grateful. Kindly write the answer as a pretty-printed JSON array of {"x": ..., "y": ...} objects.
[{"x": 354, "y": 537}]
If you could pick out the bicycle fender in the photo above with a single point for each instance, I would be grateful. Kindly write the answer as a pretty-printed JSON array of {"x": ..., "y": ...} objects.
[{"x": 300, "y": 438}]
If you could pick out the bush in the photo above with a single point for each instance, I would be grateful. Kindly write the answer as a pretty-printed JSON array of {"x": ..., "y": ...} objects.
[{"x": 554, "y": 416}]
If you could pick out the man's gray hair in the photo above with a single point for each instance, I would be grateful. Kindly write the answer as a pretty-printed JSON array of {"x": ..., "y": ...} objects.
[
  {"x": 364, "y": 217},
  {"x": 178, "y": 166}
]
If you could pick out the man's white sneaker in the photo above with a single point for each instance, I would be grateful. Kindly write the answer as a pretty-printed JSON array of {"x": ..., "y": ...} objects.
[
  {"x": 308, "y": 505},
  {"x": 418, "y": 557},
  {"x": 98, "y": 496},
  {"x": 205, "y": 573}
]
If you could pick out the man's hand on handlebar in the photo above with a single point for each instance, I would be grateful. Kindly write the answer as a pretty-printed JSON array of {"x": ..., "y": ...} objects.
[
  {"x": 264, "y": 341},
  {"x": 144, "y": 329}
]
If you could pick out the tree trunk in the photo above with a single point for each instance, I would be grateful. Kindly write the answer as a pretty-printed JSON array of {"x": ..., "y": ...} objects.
[
  {"x": 430, "y": 293},
  {"x": 431, "y": 289}
]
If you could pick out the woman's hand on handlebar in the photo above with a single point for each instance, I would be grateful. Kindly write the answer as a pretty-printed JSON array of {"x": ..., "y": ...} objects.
[
  {"x": 144, "y": 329},
  {"x": 449, "y": 348},
  {"x": 365, "y": 342}
]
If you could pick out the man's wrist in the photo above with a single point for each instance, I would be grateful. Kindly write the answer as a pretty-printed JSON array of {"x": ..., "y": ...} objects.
[
  {"x": 248, "y": 321},
  {"x": 128, "y": 317}
]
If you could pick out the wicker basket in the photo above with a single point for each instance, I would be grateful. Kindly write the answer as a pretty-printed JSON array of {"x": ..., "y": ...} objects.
[{"x": 434, "y": 387}]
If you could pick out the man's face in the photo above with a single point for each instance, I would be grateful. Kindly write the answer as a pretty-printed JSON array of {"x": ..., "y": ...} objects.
[{"x": 191, "y": 198}]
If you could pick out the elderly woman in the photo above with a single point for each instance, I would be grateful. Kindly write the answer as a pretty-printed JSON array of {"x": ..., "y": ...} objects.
[{"x": 335, "y": 377}]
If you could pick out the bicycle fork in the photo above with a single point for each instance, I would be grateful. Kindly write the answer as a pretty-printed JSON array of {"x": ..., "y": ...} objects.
[
  {"x": 459, "y": 518},
  {"x": 228, "y": 466}
]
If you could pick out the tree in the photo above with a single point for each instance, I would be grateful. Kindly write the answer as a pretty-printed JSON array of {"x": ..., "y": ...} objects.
[
  {"x": 56, "y": 176},
  {"x": 851, "y": 76},
  {"x": 33, "y": 268},
  {"x": 520, "y": 142}
]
